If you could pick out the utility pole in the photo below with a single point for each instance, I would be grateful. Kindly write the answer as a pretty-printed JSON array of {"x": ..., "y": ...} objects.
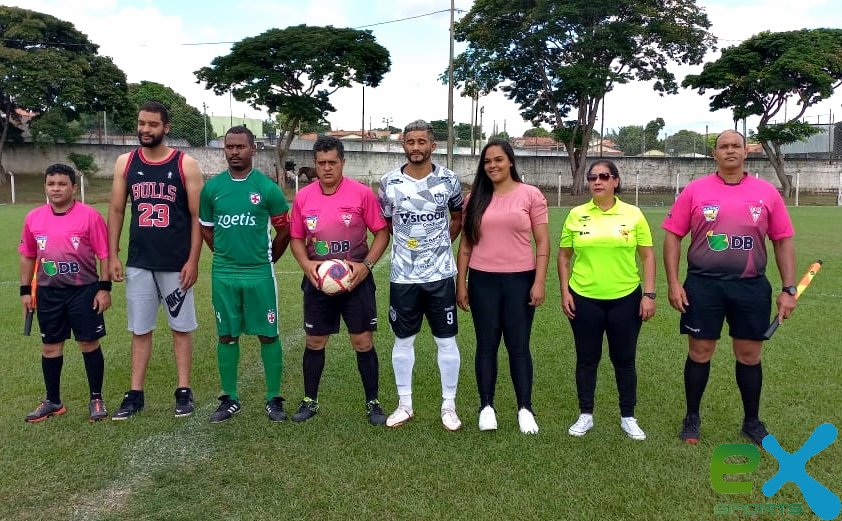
[
  {"x": 450, "y": 93},
  {"x": 205, "y": 121}
]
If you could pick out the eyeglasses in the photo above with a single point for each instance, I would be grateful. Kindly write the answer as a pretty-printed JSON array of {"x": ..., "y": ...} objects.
[{"x": 602, "y": 177}]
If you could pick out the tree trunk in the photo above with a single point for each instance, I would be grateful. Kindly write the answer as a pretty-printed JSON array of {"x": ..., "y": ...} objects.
[
  {"x": 7, "y": 114},
  {"x": 282, "y": 150},
  {"x": 776, "y": 158}
]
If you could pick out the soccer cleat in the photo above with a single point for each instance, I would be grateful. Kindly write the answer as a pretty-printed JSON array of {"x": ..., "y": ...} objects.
[
  {"x": 401, "y": 416},
  {"x": 526, "y": 421},
  {"x": 487, "y": 419},
  {"x": 226, "y": 410},
  {"x": 375, "y": 413},
  {"x": 275, "y": 409},
  {"x": 630, "y": 427},
  {"x": 132, "y": 404},
  {"x": 691, "y": 429},
  {"x": 44, "y": 410},
  {"x": 582, "y": 425},
  {"x": 97, "y": 410},
  {"x": 450, "y": 420},
  {"x": 183, "y": 402},
  {"x": 306, "y": 410},
  {"x": 755, "y": 430}
]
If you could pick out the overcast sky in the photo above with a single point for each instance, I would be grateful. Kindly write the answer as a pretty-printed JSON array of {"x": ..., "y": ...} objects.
[{"x": 166, "y": 42}]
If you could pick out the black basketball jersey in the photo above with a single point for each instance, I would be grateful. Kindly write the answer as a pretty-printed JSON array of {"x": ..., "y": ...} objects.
[{"x": 159, "y": 236}]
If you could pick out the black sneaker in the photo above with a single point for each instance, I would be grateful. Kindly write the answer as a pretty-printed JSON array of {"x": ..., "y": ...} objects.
[
  {"x": 97, "y": 410},
  {"x": 227, "y": 408},
  {"x": 275, "y": 409},
  {"x": 306, "y": 410},
  {"x": 755, "y": 430},
  {"x": 131, "y": 405},
  {"x": 183, "y": 402},
  {"x": 691, "y": 430},
  {"x": 375, "y": 412},
  {"x": 44, "y": 410}
]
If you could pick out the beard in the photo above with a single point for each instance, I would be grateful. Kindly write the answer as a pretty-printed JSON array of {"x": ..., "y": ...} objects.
[
  {"x": 156, "y": 140},
  {"x": 425, "y": 156}
]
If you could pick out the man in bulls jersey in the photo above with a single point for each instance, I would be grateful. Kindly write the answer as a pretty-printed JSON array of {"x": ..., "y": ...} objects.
[
  {"x": 236, "y": 210},
  {"x": 63, "y": 240},
  {"x": 331, "y": 220},
  {"x": 423, "y": 204},
  {"x": 728, "y": 214},
  {"x": 163, "y": 185}
]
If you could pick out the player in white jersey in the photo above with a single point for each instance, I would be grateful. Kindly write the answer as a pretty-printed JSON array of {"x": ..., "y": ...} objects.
[{"x": 423, "y": 204}]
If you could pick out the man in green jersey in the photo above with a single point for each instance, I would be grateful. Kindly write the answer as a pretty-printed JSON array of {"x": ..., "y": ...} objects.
[{"x": 236, "y": 209}]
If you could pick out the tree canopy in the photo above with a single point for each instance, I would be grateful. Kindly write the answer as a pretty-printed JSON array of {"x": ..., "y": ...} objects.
[
  {"x": 50, "y": 69},
  {"x": 558, "y": 58},
  {"x": 634, "y": 140},
  {"x": 761, "y": 75},
  {"x": 186, "y": 120},
  {"x": 294, "y": 71}
]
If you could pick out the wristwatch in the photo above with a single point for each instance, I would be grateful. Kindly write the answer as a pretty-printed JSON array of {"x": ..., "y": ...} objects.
[
  {"x": 649, "y": 295},
  {"x": 368, "y": 264},
  {"x": 792, "y": 290}
]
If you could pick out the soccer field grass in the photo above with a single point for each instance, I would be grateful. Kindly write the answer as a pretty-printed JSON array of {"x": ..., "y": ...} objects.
[{"x": 336, "y": 466}]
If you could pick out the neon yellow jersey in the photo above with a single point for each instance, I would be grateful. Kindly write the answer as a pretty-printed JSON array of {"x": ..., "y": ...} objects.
[{"x": 604, "y": 247}]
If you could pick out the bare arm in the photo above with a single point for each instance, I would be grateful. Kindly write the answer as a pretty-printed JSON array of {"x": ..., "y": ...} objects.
[
  {"x": 280, "y": 242},
  {"x": 299, "y": 251},
  {"x": 116, "y": 215},
  {"x": 193, "y": 183},
  {"x": 542, "y": 260},
  {"x": 455, "y": 224},
  {"x": 672, "y": 256},
  {"x": 27, "y": 268},
  {"x": 207, "y": 235},
  {"x": 375, "y": 251},
  {"x": 647, "y": 257},
  {"x": 102, "y": 299},
  {"x": 785, "y": 259},
  {"x": 565, "y": 256},
  {"x": 463, "y": 259}
]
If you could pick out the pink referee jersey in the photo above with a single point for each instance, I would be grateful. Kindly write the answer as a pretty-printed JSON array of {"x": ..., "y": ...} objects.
[
  {"x": 67, "y": 244},
  {"x": 728, "y": 225},
  {"x": 336, "y": 226}
]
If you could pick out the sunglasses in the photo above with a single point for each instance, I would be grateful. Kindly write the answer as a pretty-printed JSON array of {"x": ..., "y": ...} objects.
[{"x": 601, "y": 176}]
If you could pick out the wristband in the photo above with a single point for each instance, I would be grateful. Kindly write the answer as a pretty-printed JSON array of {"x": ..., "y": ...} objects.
[
  {"x": 105, "y": 285},
  {"x": 369, "y": 264},
  {"x": 25, "y": 289}
]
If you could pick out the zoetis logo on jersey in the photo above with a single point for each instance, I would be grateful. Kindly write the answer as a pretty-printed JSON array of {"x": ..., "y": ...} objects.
[
  {"x": 415, "y": 218},
  {"x": 228, "y": 221}
]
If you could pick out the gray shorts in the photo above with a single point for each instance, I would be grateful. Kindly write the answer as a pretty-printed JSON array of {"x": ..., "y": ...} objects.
[{"x": 146, "y": 290}]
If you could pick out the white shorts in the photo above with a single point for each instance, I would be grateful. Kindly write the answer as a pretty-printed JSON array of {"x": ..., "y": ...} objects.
[{"x": 146, "y": 290}]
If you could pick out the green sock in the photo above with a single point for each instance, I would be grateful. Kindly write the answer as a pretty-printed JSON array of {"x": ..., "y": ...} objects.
[
  {"x": 273, "y": 366},
  {"x": 228, "y": 360}
]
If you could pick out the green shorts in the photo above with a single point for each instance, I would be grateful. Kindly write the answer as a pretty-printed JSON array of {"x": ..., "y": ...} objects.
[{"x": 247, "y": 306}]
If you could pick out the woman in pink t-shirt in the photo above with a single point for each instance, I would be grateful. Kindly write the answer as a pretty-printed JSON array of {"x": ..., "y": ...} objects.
[{"x": 502, "y": 218}]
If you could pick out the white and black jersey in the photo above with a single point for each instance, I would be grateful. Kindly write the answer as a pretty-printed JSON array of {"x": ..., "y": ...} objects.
[{"x": 420, "y": 213}]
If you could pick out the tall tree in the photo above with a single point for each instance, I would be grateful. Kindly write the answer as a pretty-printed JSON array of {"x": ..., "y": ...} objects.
[
  {"x": 557, "y": 57},
  {"x": 294, "y": 71},
  {"x": 187, "y": 122},
  {"x": 47, "y": 66},
  {"x": 686, "y": 142},
  {"x": 761, "y": 75},
  {"x": 634, "y": 140}
]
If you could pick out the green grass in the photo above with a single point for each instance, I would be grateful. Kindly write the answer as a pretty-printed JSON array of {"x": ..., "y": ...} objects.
[{"x": 338, "y": 467}]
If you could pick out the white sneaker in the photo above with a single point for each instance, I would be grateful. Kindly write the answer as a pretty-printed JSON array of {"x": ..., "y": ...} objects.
[
  {"x": 450, "y": 420},
  {"x": 582, "y": 425},
  {"x": 487, "y": 419},
  {"x": 401, "y": 415},
  {"x": 526, "y": 420},
  {"x": 630, "y": 426}
]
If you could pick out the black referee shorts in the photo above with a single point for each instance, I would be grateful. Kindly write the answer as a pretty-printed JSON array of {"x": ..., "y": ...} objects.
[
  {"x": 745, "y": 303},
  {"x": 358, "y": 308},
  {"x": 409, "y": 303},
  {"x": 61, "y": 310}
]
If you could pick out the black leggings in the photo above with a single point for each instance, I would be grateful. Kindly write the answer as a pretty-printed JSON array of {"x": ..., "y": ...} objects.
[
  {"x": 500, "y": 308},
  {"x": 620, "y": 321}
]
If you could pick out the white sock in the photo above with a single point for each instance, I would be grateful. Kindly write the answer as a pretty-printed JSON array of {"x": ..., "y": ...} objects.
[
  {"x": 448, "y": 403},
  {"x": 405, "y": 400},
  {"x": 403, "y": 360},
  {"x": 449, "y": 360}
]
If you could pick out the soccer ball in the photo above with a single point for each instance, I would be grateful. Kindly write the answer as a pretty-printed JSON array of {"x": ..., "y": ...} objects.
[{"x": 333, "y": 276}]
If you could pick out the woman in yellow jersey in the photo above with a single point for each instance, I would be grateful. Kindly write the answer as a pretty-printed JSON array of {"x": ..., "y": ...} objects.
[{"x": 601, "y": 293}]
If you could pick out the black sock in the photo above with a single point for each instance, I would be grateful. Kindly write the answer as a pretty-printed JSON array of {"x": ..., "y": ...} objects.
[
  {"x": 750, "y": 381},
  {"x": 369, "y": 369},
  {"x": 51, "y": 368},
  {"x": 695, "y": 380},
  {"x": 314, "y": 364},
  {"x": 95, "y": 369}
]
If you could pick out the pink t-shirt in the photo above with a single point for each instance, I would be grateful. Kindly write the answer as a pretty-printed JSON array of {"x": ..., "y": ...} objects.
[
  {"x": 505, "y": 243},
  {"x": 728, "y": 225},
  {"x": 67, "y": 244},
  {"x": 336, "y": 226}
]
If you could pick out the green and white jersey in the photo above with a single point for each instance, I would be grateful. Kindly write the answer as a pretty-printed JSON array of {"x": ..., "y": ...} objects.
[{"x": 241, "y": 213}]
